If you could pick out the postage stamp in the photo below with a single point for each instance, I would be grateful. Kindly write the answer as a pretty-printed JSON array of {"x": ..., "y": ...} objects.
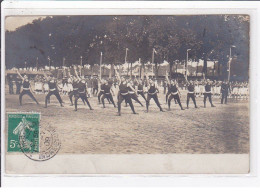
[
  {"x": 24, "y": 135},
  {"x": 23, "y": 127}
]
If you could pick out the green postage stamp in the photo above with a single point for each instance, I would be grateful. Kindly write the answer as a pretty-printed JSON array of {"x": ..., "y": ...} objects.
[{"x": 23, "y": 132}]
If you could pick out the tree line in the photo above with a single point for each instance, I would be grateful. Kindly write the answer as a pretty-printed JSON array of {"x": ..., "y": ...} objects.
[{"x": 62, "y": 40}]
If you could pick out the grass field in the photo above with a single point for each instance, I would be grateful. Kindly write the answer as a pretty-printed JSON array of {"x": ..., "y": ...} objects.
[{"x": 223, "y": 129}]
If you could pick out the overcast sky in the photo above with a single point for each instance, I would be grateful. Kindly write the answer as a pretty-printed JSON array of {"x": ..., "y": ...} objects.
[{"x": 11, "y": 23}]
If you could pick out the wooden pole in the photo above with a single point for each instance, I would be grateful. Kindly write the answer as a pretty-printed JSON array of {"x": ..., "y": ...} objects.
[{"x": 100, "y": 73}]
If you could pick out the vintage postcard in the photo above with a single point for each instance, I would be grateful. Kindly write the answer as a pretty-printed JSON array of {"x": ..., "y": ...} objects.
[{"x": 127, "y": 93}]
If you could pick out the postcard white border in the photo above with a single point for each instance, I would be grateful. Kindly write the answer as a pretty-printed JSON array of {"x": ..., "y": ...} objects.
[{"x": 137, "y": 8}]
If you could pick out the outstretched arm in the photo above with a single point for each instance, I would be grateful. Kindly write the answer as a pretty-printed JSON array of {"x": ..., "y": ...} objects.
[
  {"x": 136, "y": 79},
  {"x": 132, "y": 88},
  {"x": 204, "y": 77},
  {"x": 19, "y": 75},
  {"x": 167, "y": 78},
  {"x": 75, "y": 70},
  {"x": 31, "y": 89},
  {"x": 146, "y": 78},
  {"x": 118, "y": 76},
  {"x": 46, "y": 77},
  {"x": 69, "y": 72},
  {"x": 178, "y": 90},
  {"x": 147, "y": 81},
  {"x": 186, "y": 80}
]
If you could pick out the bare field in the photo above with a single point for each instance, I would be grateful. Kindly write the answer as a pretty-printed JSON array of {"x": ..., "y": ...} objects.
[{"x": 223, "y": 129}]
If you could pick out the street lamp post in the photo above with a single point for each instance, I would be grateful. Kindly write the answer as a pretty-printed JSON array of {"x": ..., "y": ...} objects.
[
  {"x": 126, "y": 60},
  {"x": 101, "y": 54},
  {"x": 153, "y": 61},
  {"x": 49, "y": 63},
  {"x": 126, "y": 54},
  {"x": 187, "y": 58},
  {"x": 230, "y": 58}
]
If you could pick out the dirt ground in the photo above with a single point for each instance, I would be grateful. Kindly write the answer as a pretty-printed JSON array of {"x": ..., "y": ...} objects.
[{"x": 223, "y": 129}]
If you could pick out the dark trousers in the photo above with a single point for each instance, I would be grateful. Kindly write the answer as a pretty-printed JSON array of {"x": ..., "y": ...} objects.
[
  {"x": 167, "y": 95},
  {"x": 207, "y": 95},
  {"x": 175, "y": 97},
  {"x": 192, "y": 96},
  {"x": 95, "y": 90},
  {"x": 83, "y": 97},
  {"x": 164, "y": 90},
  {"x": 109, "y": 98},
  {"x": 29, "y": 93},
  {"x": 155, "y": 98},
  {"x": 142, "y": 94},
  {"x": 11, "y": 89},
  {"x": 127, "y": 99},
  {"x": 18, "y": 89},
  {"x": 55, "y": 93},
  {"x": 71, "y": 94},
  {"x": 135, "y": 98},
  {"x": 99, "y": 96},
  {"x": 224, "y": 97}
]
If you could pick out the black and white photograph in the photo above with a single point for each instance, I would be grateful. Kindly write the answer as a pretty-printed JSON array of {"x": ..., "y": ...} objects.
[{"x": 130, "y": 85}]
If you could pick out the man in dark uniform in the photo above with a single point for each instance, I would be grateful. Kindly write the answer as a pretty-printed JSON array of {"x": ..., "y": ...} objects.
[
  {"x": 191, "y": 93},
  {"x": 174, "y": 94},
  {"x": 132, "y": 93},
  {"x": 53, "y": 90},
  {"x": 18, "y": 83},
  {"x": 95, "y": 86},
  {"x": 107, "y": 94},
  {"x": 152, "y": 94},
  {"x": 140, "y": 89},
  {"x": 26, "y": 88},
  {"x": 81, "y": 93},
  {"x": 224, "y": 91},
  {"x": 10, "y": 84},
  {"x": 123, "y": 94},
  {"x": 75, "y": 82},
  {"x": 208, "y": 94}
]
